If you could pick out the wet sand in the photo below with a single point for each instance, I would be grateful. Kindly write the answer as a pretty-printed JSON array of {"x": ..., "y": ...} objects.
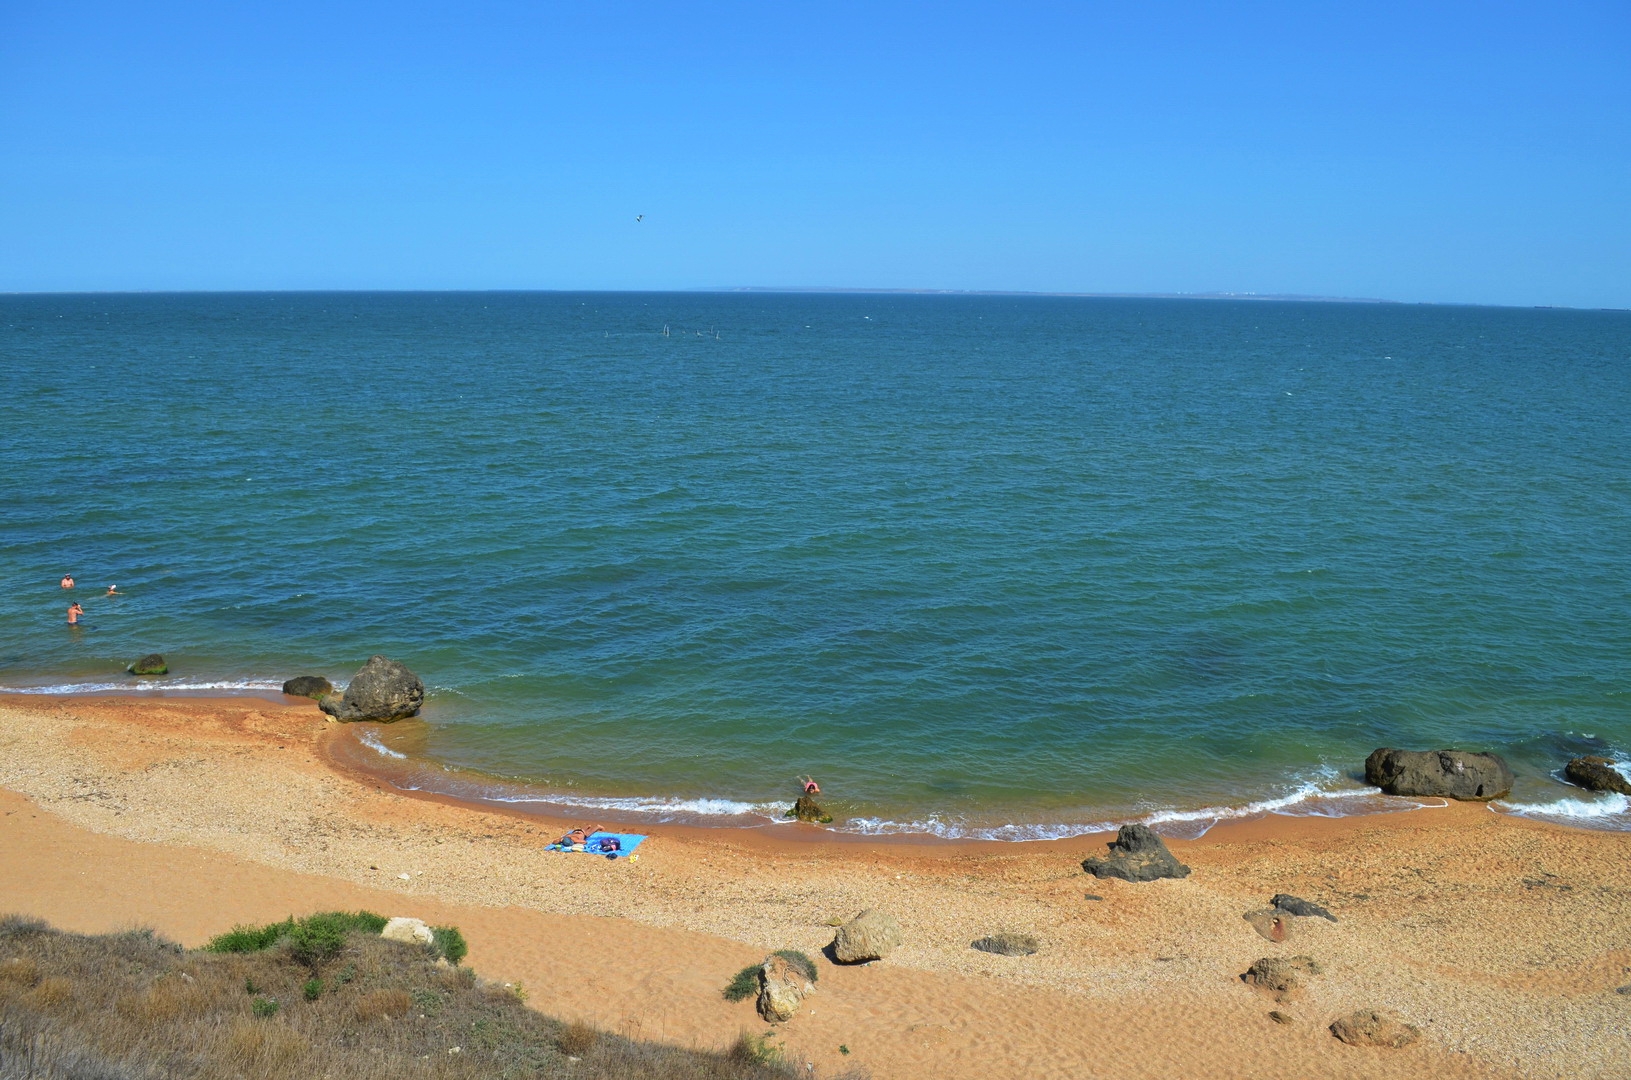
[{"x": 1503, "y": 940}]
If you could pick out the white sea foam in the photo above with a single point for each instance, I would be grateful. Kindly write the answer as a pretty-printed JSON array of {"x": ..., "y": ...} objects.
[
  {"x": 661, "y": 808},
  {"x": 370, "y": 740},
  {"x": 143, "y": 686},
  {"x": 1580, "y": 809}
]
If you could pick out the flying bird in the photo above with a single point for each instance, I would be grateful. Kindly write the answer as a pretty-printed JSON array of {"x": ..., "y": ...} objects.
[{"x": 639, "y": 217}]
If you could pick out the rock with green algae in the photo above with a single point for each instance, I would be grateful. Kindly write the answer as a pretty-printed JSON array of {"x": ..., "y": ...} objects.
[
  {"x": 151, "y": 664},
  {"x": 807, "y": 809}
]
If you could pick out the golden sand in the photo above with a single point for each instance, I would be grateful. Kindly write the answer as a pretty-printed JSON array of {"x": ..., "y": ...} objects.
[{"x": 1503, "y": 940}]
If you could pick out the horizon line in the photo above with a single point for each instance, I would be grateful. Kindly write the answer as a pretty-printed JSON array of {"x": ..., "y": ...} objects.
[{"x": 854, "y": 290}]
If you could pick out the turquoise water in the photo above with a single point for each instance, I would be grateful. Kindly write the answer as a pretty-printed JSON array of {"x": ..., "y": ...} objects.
[{"x": 998, "y": 566}]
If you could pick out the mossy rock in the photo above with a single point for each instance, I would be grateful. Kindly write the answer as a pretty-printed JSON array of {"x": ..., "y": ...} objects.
[{"x": 151, "y": 664}]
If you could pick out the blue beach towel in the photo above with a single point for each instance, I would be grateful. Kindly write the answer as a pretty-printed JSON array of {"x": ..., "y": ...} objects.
[{"x": 595, "y": 845}]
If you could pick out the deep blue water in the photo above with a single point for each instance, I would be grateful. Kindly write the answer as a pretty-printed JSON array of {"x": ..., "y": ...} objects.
[{"x": 973, "y": 561}]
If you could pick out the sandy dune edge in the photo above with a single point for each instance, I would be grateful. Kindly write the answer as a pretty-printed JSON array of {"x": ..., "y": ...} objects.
[{"x": 1504, "y": 940}]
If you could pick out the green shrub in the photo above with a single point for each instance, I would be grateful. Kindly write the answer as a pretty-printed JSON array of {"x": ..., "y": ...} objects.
[
  {"x": 312, "y": 940},
  {"x": 800, "y": 961},
  {"x": 450, "y": 943},
  {"x": 744, "y": 984},
  {"x": 312, "y": 988},
  {"x": 264, "y": 1006},
  {"x": 750, "y": 1049},
  {"x": 243, "y": 939},
  {"x": 427, "y": 1001}
]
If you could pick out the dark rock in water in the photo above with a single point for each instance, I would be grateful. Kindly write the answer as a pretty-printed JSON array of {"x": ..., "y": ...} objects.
[
  {"x": 807, "y": 809},
  {"x": 151, "y": 664},
  {"x": 1281, "y": 976},
  {"x": 1136, "y": 854},
  {"x": 1448, "y": 774},
  {"x": 1594, "y": 774},
  {"x": 1374, "y": 1027},
  {"x": 1008, "y": 944},
  {"x": 312, "y": 686},
  {"x": 381, "y": 690},
  {"x": 1293, "y": 906}
]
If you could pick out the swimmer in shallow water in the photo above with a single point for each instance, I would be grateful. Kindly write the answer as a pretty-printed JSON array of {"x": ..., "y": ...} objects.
[
  {"x": 113, "y": 590},
  {"x": 810, "y": 786},
  {"x": 67, "y": 581},
  {"x": 74, "y": 612}
]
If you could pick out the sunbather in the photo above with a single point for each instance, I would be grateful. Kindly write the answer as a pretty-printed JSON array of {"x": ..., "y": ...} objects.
[{"x": 578, "y": 837}]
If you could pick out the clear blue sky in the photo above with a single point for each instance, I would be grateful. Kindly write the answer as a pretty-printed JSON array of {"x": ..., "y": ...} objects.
[{"x": 1461, "y": 152}]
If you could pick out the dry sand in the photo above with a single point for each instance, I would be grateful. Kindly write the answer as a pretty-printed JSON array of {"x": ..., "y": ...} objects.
[{"x": 1503, "y": 940}]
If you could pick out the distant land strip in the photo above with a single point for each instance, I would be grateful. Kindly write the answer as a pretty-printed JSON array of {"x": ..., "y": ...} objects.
[{"x": 1021, "y": 292}]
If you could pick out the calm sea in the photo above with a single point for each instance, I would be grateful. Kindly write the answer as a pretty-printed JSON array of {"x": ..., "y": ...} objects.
[{"x": 996, "y": 566}]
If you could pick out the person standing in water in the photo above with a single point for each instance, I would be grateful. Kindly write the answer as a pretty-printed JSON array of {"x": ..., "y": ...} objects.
[
  {"x": 74, "y": 612},
  {"x": 67, "y": 581}
]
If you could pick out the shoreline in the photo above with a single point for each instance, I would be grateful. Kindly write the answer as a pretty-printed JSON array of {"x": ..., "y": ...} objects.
[
  {"x": 1503, "y": 939},
  {"x": 368, "y": 757}
]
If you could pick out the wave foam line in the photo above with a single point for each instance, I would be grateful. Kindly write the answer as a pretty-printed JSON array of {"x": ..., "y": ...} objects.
[
  {"x": 144, "y": 686},
  {"x": 370, "y": 740},
  {"x": 1575, "y": 809}
]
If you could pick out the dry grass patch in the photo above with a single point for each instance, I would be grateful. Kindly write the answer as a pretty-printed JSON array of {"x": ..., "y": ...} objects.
[{"x": 135, "y": 1007}]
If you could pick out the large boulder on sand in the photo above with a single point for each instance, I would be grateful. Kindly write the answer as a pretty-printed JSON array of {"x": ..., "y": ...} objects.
[
  {"x": 783, "y": 982},
  {"x": 381, "y": 690},
  {"x": 1594, "y": 774},
  {"x": 871, "y": 935},
  {"x": 1448, "y": 774},
  {"x": 151, "y": 664},
  {"x": 312, "y": 686},
  {"x": 1136, "y": 854},
  {"x": 1374, "y": 1027}
]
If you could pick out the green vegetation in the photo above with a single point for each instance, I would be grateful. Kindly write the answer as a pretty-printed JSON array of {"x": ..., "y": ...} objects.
[
  {"x": 450, "y": 943},
  {"x": 136, "y": 1007},
  {"x": 744, "y": 984},
  {"x": 800, "y": 961}
]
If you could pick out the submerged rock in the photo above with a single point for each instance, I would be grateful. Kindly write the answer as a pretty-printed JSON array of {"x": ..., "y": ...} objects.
[
  {"x": 151, "y": 664},
  {"x": 807, "y": 809},
  {"x": 1281, "y": 977},
  {"x": 1136, "y": 854},
  {"x": 312, "y": 686},
  {"x": 871, "y": 935},
  {"x": 1447, "y": 774},
  {"x": 1594, "y": 774},
  {"x": 381, "y": 690},
  {"x": 1374, "y": 1027}
]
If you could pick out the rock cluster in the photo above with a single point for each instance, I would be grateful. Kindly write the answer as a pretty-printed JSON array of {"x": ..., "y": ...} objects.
[
  {"x": 1594, "y": 774},
  {"x": 382, "y": 690},
  {"x": 1447, "y": 774},
  {"x": 1136, "y": 854},
  {"x": 871, "y": 935}
]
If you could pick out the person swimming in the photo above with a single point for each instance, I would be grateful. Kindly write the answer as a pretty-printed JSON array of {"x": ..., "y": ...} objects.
[
  {"x": 113, "y": 590},
  {"x": 67, "y": 581},
  {"x": 74, "y": 612},
  {"x": 810, "y": 786}
]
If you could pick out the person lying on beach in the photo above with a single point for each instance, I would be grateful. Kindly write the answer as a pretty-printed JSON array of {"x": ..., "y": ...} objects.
[
  {"x": 74, "y": 612},
  {"x": 577, "y": 837}
]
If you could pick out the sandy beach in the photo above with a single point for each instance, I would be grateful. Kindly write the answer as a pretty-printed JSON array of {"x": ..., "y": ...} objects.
[{"x": 1503, "y": 940}]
